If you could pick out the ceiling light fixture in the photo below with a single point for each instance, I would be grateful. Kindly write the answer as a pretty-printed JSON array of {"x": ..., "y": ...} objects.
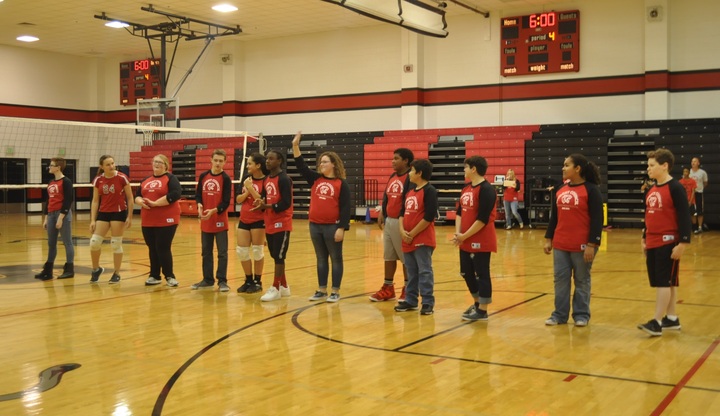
[
  {"x": 27, "y": 38},
  {"x": 411, "y": 14},
  {"x": 117, "y": 24},
  {"x": 224, "y": 8}
]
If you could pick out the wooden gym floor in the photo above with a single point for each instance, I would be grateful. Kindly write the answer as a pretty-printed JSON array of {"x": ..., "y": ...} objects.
[{"x": 72, "y": 348}]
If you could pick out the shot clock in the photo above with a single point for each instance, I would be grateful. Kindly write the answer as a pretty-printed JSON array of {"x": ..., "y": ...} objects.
[
  {"x": 540, "y": 43},
  {"x": 140, "y": 80}
]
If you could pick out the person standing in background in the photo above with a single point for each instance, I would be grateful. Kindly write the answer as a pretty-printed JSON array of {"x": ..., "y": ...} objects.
[
  {"x": 393, "y": 200},
  {"x": 213, "y": 195},
  {"x": 251, "y": 227},
  {"x": 160, "y": 215},
  {"x": 58, "y": 220},
  {"x": 510, "y": 199},
  {"x": 111, "y": 209},
  {"x": 689, "y": 184},
  {"x": 701, "y": 181}
]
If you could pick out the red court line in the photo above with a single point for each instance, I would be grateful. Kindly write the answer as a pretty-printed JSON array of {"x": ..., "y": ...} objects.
[{"x": 669, "y": 398}]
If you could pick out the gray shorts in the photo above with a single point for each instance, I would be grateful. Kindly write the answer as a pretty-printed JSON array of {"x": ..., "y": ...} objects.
[{"x": 392, "y": 243}]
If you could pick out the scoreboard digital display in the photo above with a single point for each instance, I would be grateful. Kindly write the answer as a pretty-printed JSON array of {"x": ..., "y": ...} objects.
[
  {"x": 140, "y": 80},
  {"x": 540, "y": 43}
]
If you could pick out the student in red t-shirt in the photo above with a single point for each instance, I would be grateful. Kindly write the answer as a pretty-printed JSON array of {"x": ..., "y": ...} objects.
[
  {"x": 475, "y": 236},
  {"x": 111, "y": 209},
  {"x": 573, "y": 236},
  {"x": 393, "y": 199},
  {"x": 213, "y": 195},
  {"x": 510, "y": 200},
  {"x": 417, "y": 229},
  {"x": 277, "y": 201},
  {"x": 158, "y": 196},
  {"x": 690, "y": 185},
  {"x": 251, "y": 227},
  {"x": 665, "y": 237},
  {"x": 329, "y": 216},
  {"x": 58, "y": 220}
]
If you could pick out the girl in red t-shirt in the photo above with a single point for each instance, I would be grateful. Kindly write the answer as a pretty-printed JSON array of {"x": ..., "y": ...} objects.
[
  {"x": 251, "y": 227},
  {"x": 510, "y": 200},
  {"x": 111, "y": 209}
]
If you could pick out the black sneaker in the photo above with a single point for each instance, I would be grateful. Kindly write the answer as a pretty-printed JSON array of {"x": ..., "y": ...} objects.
[
  {"x": 245, "y": 286},
  {"x": 475, "y": 314},
  {"x": 202, "y": 285},
  {"x": 95, "y": 274},
  {"x": 404, "y": 307},
  {"x": 652, "y": 327},
  {"x": 668, "y": 323},
  {"x": 426, "y": 309},
  {"x": 115, "y": 278},
  {"x": 254, "y": 288}
]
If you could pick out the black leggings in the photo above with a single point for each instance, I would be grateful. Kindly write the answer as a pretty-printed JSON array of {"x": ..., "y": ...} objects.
[
  {"x": 159, "y": 241},
  {"x": 475, "y": 269}
]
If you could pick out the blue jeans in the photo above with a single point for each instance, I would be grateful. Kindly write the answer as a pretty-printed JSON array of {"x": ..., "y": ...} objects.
[
  {"x": 511, "y": 207},
  {"x": 221, "y": 237},
  {"x": 569, "y": 264},
  {"x": 323, "y": 239},
  {"x": 420, "y": 276},
  {"x": 65, "y": 231}
]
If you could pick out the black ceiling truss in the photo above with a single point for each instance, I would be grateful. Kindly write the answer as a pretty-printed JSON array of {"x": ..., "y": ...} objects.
[{"x": 176, "y": 28}]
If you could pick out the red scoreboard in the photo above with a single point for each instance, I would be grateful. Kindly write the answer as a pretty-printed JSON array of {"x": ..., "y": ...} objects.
[
  {"x": 540, "y": 43},
  {"x": 140, "y": 80}
]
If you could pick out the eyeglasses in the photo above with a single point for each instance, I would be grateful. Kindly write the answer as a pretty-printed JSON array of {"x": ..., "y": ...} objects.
[
  {"x": 52, "y": 166},
  {"x": 158, "y": 162}
]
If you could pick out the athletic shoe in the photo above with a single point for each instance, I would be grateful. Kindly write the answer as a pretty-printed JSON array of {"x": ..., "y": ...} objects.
[
  {"x": 509, "y": 227},
  {"x": 201, "y": 285},
  {"x": 171, "y": 281},
  {"x": 404, "y": 307},
  {"x": 223, "y": 287},
  {"x": 476, "y": 314},
  {"x": 245, "y": 286},
  {"x": 652, "y": 327},
  {"x": 254, "y": 287},
  {"x": 522, "y": 225},
  {"x": 581, "y": 322},
  {"x": 426, "y": 309},
  {"x": 115, "y": 278},
  {"x": 386, "y": 292},
  {"x": 469, "y": 310},
  {"x": 668, "y": 323},
  {"x": 551, "y": 321},
  {"x": 285, "y": 291},
  {"x": 95, "y": 274},
  {"x": 334, "y": 297},
  {"x": 152, "y": 281},
  {"x": 402, "y": 295},
  {"x": 317, "y": 296},
  {"x": 271, "y": 294},
  {"x": 698, "y": 231}
]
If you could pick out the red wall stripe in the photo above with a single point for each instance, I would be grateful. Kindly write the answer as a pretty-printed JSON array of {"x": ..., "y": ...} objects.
[{"x": 527, "y": 91}]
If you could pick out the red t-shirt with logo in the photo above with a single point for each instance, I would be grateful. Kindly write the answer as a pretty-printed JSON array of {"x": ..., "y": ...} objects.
[
  {"x": 420, "y": 204},
  {"x": 112, "y": 192},
  {"x": 278, "y": 194},
  {"x": 667, "y": 215},
  {"x": 154, "y": 188},
  {"x": 213, "y": 191},
  {"x": 247, "y": 216},
  {"x": 477, "y": 203},
  {"x": 394, "y": 196}
]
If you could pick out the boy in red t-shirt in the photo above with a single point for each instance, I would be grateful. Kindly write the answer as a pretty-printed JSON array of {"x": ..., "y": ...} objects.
[{"x": 417, "y": 230}]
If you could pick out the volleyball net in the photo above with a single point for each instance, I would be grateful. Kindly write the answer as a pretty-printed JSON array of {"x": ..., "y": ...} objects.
[{"x": 28, "y": 145}]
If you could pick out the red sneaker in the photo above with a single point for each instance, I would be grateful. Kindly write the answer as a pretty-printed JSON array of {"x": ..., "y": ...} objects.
[
  {"x": 402, "y": 295},
  {"x": 386, "y": 292}
]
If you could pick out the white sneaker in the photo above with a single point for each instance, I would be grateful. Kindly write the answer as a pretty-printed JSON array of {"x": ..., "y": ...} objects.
[
  {"x": 285, "y": 291},
  {"x": 152, "y": 281},
  {"x": 172, "y": 282},
  {"x": 521, "y": 225},
  {"x": 270, "y": 295}
]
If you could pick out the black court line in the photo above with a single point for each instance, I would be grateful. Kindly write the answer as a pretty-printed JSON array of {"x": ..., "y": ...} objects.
[{"x": 165, "y": 391}]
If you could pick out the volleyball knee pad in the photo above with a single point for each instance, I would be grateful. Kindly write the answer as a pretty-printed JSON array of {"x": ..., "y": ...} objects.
[
  {"x": 116, "y": 244},
  {"x": 243, "y": 253},
  {"x": 96, "y": 242},
  {"x": 258, "y": 252}
]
